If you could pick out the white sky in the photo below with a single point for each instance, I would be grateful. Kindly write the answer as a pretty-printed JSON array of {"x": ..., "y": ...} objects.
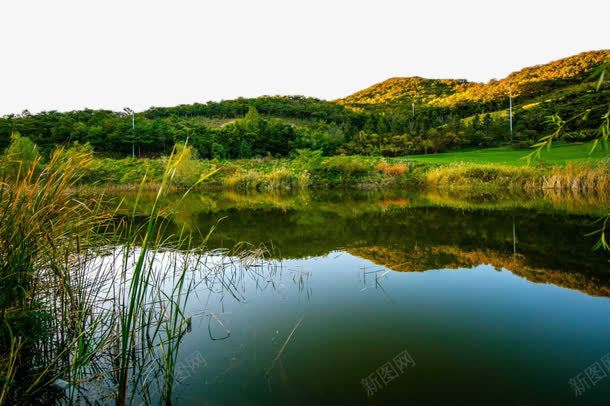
[{"x": 64, "y": 55}]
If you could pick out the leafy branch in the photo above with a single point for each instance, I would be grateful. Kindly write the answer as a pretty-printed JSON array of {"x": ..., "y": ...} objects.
[
  {"x": 559, "y": 124},
  {"x": 603, "y": 241},
  {"x": 603, "y": 132}
]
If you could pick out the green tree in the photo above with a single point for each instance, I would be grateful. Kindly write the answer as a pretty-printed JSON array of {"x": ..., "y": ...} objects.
[
  {"x": 188, "y": 168},
  {"x": 20, "y": 155},
  {"x": 252, "y": 120},
  {"x": 245, "y": 151},
  {"x": 218, "y": 151}
]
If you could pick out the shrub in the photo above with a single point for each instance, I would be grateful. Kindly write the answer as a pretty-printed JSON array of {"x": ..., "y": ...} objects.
[
  {"x": 277, "y": 179},
  {"x": 483, "y": 176},
  {"x": 20, "y": 155},
  {"x": 574, "y": 178},
  {"x": 307, "y": 159},
  {"x": 580, "y": 178},
  {"x": 188, "y": 169},
  {"x": 67, "y": 157},
  {"x": 393, "y": 169},
  {"x": 130, "y": 172},
  {"x": 345, "y": 166},
  {"x": 522, "y": 144},
  {"x": 107, "y": 171}
]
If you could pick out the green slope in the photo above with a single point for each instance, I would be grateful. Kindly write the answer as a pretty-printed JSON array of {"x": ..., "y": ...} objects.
[{"x": 559, "y": 154}]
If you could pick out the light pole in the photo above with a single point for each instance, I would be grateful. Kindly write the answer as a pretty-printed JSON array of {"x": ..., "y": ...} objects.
[
  {"x": 133, "y": 130},
  {"x": 510, "y": 112}
]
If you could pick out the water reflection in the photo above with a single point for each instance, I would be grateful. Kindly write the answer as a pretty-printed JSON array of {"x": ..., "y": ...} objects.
[
  {"x": 471, "y": 287},
  {"x": 541, "y": 239}
]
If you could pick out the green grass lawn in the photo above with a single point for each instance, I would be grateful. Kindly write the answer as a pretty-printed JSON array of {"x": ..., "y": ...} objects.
[
  {"x": 559, "y": 154},
  {"x": 212, "y": 122}
]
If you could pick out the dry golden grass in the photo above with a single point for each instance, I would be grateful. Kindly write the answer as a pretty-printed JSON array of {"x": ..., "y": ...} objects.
[
  {"x": 578, "y": 178},
  {"x": 277, "y": 179},
  {"x": 393, "y": 169}
]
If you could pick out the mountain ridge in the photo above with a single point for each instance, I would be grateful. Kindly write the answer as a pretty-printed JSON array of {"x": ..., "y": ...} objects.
[{"x": 530, "y": 81}]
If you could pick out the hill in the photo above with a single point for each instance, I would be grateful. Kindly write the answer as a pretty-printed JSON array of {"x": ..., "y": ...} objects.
[
  {"x": 409, "y": 89},
  {"x": 460, "y": 94},
  {"x": 529, "y": 82}
]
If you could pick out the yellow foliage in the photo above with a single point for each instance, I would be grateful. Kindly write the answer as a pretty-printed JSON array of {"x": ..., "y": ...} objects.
[
  {"x": 393, "y": 169},
  {"x": 530, "y": 81}
]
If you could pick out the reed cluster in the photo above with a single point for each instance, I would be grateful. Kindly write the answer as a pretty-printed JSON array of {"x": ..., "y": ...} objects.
[
  {"x": 577, "y": 178},
  {"x": 580, "y": 179},
  {"x": 277, "y": 179},
  {"x": 87, "y": 301},
  {"x": 43, "y": 233}
]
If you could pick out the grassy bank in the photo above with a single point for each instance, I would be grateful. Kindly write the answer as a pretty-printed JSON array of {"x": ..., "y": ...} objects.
[
  {"x": 565, "y": 168},
  {"x": 560, "y": 154},
  {"x": 577, "y": 178}
]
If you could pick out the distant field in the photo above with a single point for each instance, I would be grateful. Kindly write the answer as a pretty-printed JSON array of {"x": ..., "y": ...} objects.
[
  {"x": 559, "y": 154},
  {"x": 213, "y": 122},
  {"x": 219, "y": 122}
]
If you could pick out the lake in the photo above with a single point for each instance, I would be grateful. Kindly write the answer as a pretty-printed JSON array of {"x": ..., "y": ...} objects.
[{"x": 379, "y": 297}]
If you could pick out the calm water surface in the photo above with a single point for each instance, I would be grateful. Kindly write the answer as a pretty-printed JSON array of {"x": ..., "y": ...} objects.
[{"x": 374, "y": 298}]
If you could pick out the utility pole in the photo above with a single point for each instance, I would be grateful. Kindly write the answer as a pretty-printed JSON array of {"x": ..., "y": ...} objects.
[
  {"x": 510, "y": 112},
  {"x": 514, "y": 238},
  {"x": 133, "y": 130}
]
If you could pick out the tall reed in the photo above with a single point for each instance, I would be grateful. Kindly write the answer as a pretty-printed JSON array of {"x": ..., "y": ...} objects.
[
  {"x": 42, "y": 233},
  {"x": 574, "y": 178},
  {"x": 277, "y": 179},
  {"x": 73, "y": 318}
]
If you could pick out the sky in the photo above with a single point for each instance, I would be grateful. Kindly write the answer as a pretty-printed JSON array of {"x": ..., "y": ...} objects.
[{"x": 65, "y": 55}]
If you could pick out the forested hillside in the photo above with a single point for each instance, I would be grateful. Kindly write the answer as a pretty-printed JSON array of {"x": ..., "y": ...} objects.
[
  {"x": 399, "y": 116},
  {"x": 406, "y": 90},
  {"x": 461, "y": 94}
]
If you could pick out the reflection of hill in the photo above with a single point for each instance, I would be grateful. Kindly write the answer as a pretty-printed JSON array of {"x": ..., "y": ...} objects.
[
  {"x": 409, "y": 232},
  {"x": 551, "y": 248},
  {"x": 421, "y": 259}
]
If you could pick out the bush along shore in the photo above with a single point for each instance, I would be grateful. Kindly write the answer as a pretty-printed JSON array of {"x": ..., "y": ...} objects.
[{"x": 575, "y": 171}]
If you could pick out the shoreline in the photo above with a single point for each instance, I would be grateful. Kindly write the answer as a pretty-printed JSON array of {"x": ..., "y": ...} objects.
[{"x": 583, "y": 179}]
